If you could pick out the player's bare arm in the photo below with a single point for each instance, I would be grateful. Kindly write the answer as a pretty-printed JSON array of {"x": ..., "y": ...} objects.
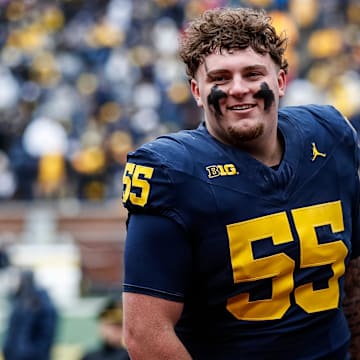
[
  {"x": 352, "y": 305},
  {"x": 149, "y": 328}
]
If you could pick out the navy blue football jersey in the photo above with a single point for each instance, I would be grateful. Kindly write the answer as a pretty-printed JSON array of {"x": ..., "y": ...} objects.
[{"x": 266, "y": 248}]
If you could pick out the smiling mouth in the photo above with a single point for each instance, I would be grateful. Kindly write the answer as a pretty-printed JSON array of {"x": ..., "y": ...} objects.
[{"x": 241, "y": 107}]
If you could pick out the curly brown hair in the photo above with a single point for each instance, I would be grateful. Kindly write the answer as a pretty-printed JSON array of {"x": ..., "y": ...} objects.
[{"x": 231, "y": 28}]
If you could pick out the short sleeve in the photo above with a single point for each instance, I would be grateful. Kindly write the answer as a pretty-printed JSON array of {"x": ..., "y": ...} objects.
[
  {"x": 157, "y": 258},
  {"x": 152, "y": 179}
]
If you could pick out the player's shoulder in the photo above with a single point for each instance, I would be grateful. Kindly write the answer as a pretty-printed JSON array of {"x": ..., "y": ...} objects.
[
  {"x": 325, "y": 117},
  {"x": 173, "y": 150},
  {"x": 326, "y": 112}
]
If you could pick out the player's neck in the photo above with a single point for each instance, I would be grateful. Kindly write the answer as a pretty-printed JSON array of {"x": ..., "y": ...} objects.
[{"x": 269, "y": 152}]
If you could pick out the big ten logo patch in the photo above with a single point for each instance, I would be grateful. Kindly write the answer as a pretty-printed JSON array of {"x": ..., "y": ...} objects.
[{"x": 221, "y": 170}]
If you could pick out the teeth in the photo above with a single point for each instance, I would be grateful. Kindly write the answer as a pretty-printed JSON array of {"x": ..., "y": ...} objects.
[{"x": 243, "y": 107}]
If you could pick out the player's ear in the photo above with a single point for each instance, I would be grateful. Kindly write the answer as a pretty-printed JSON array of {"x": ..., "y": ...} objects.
[
  {"x": 195, "y": 92},
  {"x": 282, "y": 82}
]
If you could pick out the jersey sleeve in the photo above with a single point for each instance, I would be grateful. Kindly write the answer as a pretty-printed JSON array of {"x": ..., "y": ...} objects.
[
  {"x": 356, "y": 217},
  {"x": 157, "y": 258},
  {"x": 353, "y": 141},
  {"x": 152, "y": 177}
]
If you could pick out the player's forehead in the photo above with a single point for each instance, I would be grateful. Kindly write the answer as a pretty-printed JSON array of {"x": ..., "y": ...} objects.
[{"x": 235, "y": 60}]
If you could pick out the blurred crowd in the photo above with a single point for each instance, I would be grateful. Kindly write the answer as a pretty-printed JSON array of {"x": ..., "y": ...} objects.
[{"x": 84, "y": 82}]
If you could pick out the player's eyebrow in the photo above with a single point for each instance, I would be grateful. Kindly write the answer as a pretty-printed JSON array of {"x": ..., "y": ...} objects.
[{"x": 256, "y": 67}]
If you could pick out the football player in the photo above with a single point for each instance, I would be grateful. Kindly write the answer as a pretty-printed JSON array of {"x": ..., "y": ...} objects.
[{"x": 241, "y": 232}]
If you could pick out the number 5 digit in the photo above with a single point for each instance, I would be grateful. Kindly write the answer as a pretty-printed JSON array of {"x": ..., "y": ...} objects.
[
  {"x": 279, "y": 267},
  {"x": 314, "y": 254},
  {"x": 129, "y": 170}
]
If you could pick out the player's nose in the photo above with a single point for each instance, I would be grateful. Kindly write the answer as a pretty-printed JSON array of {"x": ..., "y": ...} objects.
[{"x": 238, "y": 86}]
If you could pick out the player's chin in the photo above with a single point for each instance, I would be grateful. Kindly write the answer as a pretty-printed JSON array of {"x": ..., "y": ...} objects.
[{"x": 240, "y": 134}]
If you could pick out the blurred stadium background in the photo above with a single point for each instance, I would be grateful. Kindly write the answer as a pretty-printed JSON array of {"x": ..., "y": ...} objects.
[{"x": 84, "y": 82}]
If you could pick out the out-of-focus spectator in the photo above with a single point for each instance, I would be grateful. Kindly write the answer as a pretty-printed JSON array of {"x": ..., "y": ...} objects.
[
  {"x": 111, "y": 333},
  {"x": 7, "y": 178},
  {"x": 32, "y": 322},
  {"x": 4, "y": 257}
]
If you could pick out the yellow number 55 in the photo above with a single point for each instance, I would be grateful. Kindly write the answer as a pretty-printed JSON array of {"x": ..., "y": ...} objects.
[
  {"x": 136, "y": 187},
  {"x": 279, "y": 267}
]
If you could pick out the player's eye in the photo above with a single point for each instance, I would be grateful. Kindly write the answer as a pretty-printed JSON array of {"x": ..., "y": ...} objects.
[
  {"x": 254, "y": 75},
  {"x": 218, "y": 78}
]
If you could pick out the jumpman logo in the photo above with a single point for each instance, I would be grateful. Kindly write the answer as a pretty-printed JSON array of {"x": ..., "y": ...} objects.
[{"x": 316, "y": 152}]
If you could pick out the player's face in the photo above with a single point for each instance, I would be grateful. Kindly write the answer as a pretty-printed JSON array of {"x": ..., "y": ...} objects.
[{"x": 239, "y": 91}]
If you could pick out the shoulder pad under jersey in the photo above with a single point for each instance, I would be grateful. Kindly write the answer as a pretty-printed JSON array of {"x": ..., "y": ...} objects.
[
  {"x": 325, "y": 115},
  {"x": 153, "y": 172}
]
